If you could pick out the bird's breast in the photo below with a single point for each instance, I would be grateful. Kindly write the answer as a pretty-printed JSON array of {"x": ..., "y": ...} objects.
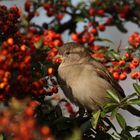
[{"x": 87, "y": 87}]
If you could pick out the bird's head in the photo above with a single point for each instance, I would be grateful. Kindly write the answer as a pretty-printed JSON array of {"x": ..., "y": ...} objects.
[{"x": 71, "y": 52}]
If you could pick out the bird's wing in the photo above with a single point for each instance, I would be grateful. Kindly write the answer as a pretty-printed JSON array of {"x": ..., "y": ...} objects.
[
  {"x": 66, "y": 89},
  {"x": 103, "y": 73}
]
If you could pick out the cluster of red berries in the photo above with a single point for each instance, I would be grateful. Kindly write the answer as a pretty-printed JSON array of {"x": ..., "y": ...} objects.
[
  {"x": 27, "y": 6},
  {"x": 90, "y": 32},
  {"x": 97, "y": 52},
  {"x": 99, "y": 12},
  {"x": 51, "y": 39},
  {"x": 123, "y": 65},
  {"x": 120, "y": 69},
  {"x": 134, "y": 39},
  {"x": 52, "y": 9},
  {"x": 8, "y": 21},
  {"x": 123, "y": 11},
  {"x": 17, "y": 126},
  {"x": 85, "y": 36},
  {"x": 43, "y": 87},
  {"x": 48, "y": 6},
  {"x": 14, "y": 68}
]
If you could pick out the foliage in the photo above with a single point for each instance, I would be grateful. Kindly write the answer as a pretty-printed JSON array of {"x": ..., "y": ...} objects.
[{"x": 27, "y": 73}]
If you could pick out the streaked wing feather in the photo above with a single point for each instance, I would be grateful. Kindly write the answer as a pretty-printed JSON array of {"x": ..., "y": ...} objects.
[{"x": 103, "y": 73}]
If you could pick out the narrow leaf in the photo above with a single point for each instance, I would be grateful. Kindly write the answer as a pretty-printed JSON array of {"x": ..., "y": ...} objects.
[
  {"x": 39, "y": 43},
  {"x": 129, "y": 97},
  {"x": 114, "y": 55},
  {"x": 121, "y": 120},
  {"x": 95, "y": 118},
  {"x": 134, "y": 101},
  {"x": 114, "y": 112},
  {"x": 113, "y": 96},
  {"x": 79, "y": 19},
  {"x": 109, "y": 107},
  {"x": 137, "y": 88}
]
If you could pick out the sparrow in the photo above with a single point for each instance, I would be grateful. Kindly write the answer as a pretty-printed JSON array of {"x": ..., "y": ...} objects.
[{"x": 85, "y": 81}]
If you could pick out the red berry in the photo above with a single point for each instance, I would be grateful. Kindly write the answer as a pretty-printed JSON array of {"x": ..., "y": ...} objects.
[
  {"x": 74, "y": 36},
  {"x": 94, "y": 31},
  {"x": 122, "y": 76},
  {"x": 60, "y": 16},
  {"x": 57, "y": 60},
  {"x": 135, "y": 75},
  {"x": 92, "y": 11},
  {"x": 45, "y": 130},
  {"x": 57, "y": 42},
  {"x": 101, "y": 12},
  {"x": 27, "y": 6},
  {"x": 50, "y": 13},
  {"x": 127, "y": 55},
  {"x": 131, "y": 66},
  {"x": 52, "y": 54},
  {"x": 27, "y": 59},
  {"x": 122, "y": 15},
  {"x": 109, "y": 21},
  {"x": 122, "y": 62},
  {"x": 101, "y": 27},
  {"x": 55, "y": 50},
  {"x": 54, "y": 89},
  {"x": 23, "y": 48},
  {"x": 29, "y": 111},
  {"x": 46, "y": 6},
  {"x": 10, "y": 41},
  {"x": 69, "y": 108},
  {"x": 50, "y": 71},
  {"x": 135, "y": 62},
  {"x": 116, "y": 75}
]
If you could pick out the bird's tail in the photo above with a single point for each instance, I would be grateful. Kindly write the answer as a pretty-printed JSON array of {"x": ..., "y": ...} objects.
[{"x": 133, "y": 110}]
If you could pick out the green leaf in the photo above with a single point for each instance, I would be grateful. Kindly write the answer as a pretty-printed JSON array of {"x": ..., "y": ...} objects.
[
  {"x": 137, "y": 88},
  {"x": 114, "y": 112},
  {"x": 39, "y": 43},
  {"x": 114, "y": 55},
  {"x": 134, "y": 101},
  {"x": 95, "y": 118},
  {"x": 109, "y": 107},
  {"x": 129, "y": 97},
  {"x": 79, "y": 19},
  {"x": 24, "y": 21},
  {"x": 121, "y": 120},
  {"x": 113, "y": 96},
  {"x": 56, "y": 27}
]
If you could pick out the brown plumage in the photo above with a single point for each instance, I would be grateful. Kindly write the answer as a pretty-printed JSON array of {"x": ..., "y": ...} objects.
[{"x": 84, "y": 80}]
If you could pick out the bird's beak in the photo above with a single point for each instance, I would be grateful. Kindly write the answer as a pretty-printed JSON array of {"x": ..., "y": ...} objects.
[{"x": 57, "y": 59}]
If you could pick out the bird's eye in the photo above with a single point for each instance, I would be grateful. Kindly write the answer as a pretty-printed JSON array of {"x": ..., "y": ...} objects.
[{"x": 67, "y": 53}]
